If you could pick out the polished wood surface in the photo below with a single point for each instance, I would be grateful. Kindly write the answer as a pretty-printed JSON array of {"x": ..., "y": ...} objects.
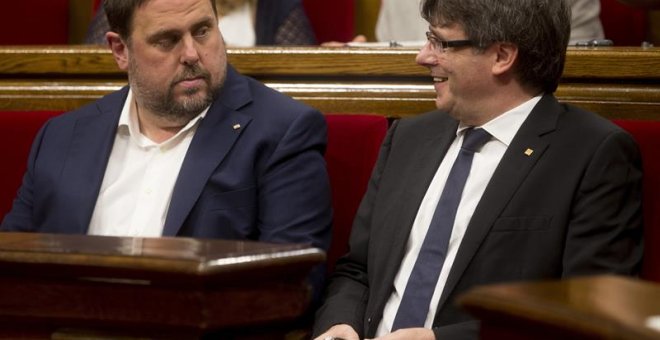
[
  {"x": 63, "y": 284},
  {"x": 599, "y": 307},
  {"x": 617, "y": 82}
]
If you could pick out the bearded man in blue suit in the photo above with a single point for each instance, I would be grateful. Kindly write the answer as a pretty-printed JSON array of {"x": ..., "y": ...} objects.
[{"x": 189, "y": 148}]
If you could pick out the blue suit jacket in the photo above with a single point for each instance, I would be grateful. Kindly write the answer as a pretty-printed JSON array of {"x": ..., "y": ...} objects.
[{"x": 263, "y": 181}]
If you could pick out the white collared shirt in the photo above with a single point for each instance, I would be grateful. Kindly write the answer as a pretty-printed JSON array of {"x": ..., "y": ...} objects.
[
  {"x": 503, "y": 129},
  {"x": 139, "y": 179}
]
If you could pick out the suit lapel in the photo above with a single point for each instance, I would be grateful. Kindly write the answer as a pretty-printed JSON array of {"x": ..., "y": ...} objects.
[
  {"x": 85, "y": 165},
  {"x": 509, "y": 174},
  {"x": 426, "y": 156},
  {"x": 213, "y": 139},
  {"x": 424, "y": 149}
]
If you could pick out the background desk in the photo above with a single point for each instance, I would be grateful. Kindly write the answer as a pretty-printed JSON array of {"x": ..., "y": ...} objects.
[
  {"x": 601, "y": 307},
  {"x": 616, "y": 82},
  {"x": 154, "y": 287}
]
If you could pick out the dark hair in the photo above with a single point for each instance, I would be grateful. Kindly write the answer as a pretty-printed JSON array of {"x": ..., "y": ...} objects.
[
  {"x": 120, "y": 14},
  {"x": 539, "y": 28}
]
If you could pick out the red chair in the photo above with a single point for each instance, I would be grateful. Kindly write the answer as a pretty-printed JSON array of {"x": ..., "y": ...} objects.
[
  {"x": 353, "y": 145},
  {"x": 624, "y": 25},
  {"x": 332, "y": 20},
  {"x": 647, "y": 135}
]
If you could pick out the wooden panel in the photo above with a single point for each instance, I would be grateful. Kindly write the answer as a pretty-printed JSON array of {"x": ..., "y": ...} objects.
[
  {"x": 599, "y": 307},
  {"x": 615, "y": 82}
]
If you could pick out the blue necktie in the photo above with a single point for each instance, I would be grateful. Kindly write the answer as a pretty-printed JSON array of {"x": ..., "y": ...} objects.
[{"x": 422, "y": 281}]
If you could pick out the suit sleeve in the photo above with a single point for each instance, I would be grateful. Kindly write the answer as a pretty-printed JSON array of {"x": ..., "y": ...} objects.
[
  {"x": 294, "y": 191},
  {"x": 348, "y": 292},
  {"x": 605, "y": 230},
  {"x": 20, "y": 217}
]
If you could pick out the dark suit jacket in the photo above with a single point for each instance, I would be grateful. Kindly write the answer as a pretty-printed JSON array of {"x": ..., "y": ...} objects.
[
  {"x": 263, "y": 181},
  {"x": 572, "y": 207}
]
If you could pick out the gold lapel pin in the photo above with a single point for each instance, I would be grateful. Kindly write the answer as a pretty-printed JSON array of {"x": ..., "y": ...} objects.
[
  {"x": 529, "y": 152},
  {"x": 237, "y": 126}
]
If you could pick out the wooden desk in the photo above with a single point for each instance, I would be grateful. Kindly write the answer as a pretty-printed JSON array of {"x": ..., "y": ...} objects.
[
  {"x": 616, "y": 82},
  {"x": 600, "y": 307},
  {"x": 153, "y": 287}
]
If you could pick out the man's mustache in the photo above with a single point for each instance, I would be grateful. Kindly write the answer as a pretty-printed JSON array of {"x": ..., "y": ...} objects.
[{"x": 191, "y": 72}]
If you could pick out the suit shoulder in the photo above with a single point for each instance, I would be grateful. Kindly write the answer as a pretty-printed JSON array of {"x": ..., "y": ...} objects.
[
  {"x": 270, "y": 105},
  {"x": 586, "y": 122},
  {"x": 111, "y": 102},
  {"x": 421, "y": 122}
]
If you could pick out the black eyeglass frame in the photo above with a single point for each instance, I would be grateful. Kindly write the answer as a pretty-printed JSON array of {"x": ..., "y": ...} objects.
[{"x": 442, "y": 45}]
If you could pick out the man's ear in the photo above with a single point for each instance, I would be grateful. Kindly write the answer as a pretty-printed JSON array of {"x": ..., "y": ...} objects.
[
  {"x": 119, "y": 49},
  {"x": 505, "y": 57}
]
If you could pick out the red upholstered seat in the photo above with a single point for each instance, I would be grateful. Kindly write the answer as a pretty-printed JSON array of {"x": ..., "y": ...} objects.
[
  {"x": 353, "y": 145},
  {"x": 331, "y": 20},
  {"x": 17, "y": 131},
  {"x": 623, "y": 24},
  {"x": 647, "y": 135}
]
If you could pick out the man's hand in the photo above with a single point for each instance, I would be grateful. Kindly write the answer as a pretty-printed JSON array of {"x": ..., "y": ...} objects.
[
  {"x": 358, "y": 38},
  {"x": 341, "y": 331},
  {"x": 409, "y": 333}
]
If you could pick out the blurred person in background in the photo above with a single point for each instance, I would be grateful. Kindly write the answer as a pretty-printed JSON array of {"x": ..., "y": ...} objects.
[
  {"x": 243, "y": 23},
  {"x": 399, "y": 21}
]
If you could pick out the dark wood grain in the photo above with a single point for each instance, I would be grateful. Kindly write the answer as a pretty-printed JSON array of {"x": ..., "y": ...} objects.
[
  {"x": 185, "y": 286},
  {"x": 599, "y": 307}
]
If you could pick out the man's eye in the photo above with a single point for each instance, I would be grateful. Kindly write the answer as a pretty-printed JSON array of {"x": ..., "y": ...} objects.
[
  {"x": 166, "y": 43},
  {"x": 202, "y": 32}
]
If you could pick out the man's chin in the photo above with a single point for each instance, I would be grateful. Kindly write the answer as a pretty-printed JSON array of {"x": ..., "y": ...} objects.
[{"x": 196, "y": 102}]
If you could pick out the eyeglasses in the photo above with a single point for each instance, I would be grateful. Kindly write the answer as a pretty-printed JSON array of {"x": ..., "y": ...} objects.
[{"x": 442, "y": 45}]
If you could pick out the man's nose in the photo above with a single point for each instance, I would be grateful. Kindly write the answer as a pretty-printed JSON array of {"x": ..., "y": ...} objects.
[
  {"x": 426, "y": 56},
  {"x": 189, "y": 55}
]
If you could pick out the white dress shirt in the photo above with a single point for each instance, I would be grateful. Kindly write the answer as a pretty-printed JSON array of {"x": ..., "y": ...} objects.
[
  {"x": 139, "y": 179},
  {"x": 503, "y": 129}
]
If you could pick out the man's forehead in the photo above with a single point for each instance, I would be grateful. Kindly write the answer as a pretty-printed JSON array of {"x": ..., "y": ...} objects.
[
  {"x": 158, "y": 13},
  {"x": 445, "y": 26}
]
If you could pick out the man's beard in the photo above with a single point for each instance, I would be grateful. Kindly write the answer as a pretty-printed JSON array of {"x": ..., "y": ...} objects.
[{"x": 164, "y": 104}]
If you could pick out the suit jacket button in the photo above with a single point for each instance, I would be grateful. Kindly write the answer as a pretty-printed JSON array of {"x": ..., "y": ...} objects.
[{"x": 369, "y": 320}]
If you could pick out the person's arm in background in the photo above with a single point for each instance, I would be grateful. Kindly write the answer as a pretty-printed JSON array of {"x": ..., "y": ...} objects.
[
  {"x": 97, "y": 28},
  {"x": 283, "y": 22}
]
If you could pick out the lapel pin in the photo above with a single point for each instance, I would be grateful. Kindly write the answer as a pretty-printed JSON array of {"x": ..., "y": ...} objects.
[
  {"x": 529, "y": 152},
  {"x": 237, "y": 126}
]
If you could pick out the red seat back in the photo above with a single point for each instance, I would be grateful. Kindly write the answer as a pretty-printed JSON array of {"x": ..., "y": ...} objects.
[
  {"x": 647, "y": 135},
  {"x": 34, "y": 22},
  {"x": 353, "y": 145},
  {"x": 17, "y": 131},
  {"x": 623, "y": 24},
  {"x": 331, "y": 20}
]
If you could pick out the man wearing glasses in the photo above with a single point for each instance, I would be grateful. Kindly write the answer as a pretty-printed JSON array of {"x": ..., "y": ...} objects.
[{"x": 502, "y": 183}]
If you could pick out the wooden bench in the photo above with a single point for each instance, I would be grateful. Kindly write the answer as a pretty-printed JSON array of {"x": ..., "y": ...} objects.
[
  {"x": 622, "y": 84},
  {"x": 615, "y": 82}
]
